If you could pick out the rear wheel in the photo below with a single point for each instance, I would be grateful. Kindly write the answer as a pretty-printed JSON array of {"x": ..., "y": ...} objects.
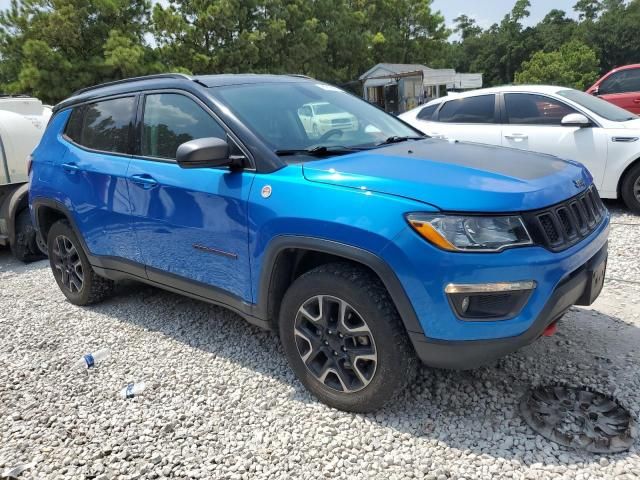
[
  {"x": 25, "y": 247},
  {"x": 344, "y": 339},
  {"x": 630, "y": 189},
  {"x": 71, "y": 268}
]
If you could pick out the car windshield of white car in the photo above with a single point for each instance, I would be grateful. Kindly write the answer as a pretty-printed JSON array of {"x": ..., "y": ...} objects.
[
  {"x": 298, "y": 118},
  {"x": 598, "y": 106}
]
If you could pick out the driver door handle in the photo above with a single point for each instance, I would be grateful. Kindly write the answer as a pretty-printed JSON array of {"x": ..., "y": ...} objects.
[
  {"x": 636, "y": 100},
  {"x": 144, "y": 180}
]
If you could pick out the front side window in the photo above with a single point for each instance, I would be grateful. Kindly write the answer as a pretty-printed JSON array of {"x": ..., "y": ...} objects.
[
  {"x": 625, "y": 81},
  {"x": 528, "y": 109},
  {"x": 104, "y": 125},
  {"x": 480, "y": 109},
  {"x": 171, "y": 119}
]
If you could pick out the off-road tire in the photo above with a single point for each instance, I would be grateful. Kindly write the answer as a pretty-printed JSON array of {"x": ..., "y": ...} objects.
[
  {"x": 396, "y": 360},
  {"x": 25, "y": 246},
  {"x": 630, "y": 182},
  {"x": 94, "y": 287}
]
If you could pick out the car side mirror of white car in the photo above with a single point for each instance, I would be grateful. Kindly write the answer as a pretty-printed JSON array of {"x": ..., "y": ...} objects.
[{"x": 576, "y": 120}]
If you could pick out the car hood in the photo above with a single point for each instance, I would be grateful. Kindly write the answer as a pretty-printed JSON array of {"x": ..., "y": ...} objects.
[{"x": 456, "y": 176}]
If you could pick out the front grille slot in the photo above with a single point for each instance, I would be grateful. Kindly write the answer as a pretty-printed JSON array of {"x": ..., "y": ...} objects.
[
  {"x": 567, "y": 223},
  {"x": 579, "y": 216},
  {"x": 550, "y": 231}
]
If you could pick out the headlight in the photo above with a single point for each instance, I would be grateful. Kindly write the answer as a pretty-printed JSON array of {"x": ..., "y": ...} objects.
[{"x": 471, "y": 233}]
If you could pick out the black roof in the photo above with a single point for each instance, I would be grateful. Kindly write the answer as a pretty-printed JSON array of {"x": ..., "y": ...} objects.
[{"x": 168, "y": 80}]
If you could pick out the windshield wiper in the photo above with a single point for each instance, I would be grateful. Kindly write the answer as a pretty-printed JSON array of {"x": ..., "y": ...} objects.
[
  {"x": 319, "y": 151},
  {"x": 397, "y": 139}
]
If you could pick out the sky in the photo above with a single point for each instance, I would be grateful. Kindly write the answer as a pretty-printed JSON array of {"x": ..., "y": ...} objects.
[{"x": 488, "y": 12}]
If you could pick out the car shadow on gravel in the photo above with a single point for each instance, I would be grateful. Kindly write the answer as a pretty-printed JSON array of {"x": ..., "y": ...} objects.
[{"x": 472, "y": 411}]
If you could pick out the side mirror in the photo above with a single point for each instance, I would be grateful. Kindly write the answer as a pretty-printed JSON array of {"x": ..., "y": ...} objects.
[
  {"x": 575, "y": 120},
  {"x": 595, "y": 92},
  {"x": 203, "y": 153}
]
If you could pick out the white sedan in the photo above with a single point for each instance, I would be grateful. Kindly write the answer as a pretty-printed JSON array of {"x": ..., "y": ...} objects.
[{"x": 560, "y": 121}]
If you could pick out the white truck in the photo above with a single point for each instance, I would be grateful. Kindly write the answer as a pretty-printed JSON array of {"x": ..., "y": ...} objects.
[{"x": 22, "y": 123}]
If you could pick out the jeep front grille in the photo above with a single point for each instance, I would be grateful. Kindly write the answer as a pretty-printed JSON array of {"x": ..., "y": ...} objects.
[{"x": 565, "y": 224}]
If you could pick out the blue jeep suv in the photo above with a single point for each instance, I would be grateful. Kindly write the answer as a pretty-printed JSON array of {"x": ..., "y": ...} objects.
[{"x": 365, "y": 244}]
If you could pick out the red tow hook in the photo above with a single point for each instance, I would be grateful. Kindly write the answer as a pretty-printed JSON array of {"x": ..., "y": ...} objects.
[{"x": 550, "y": 330}]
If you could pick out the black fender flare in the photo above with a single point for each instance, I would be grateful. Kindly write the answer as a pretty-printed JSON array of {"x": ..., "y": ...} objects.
[{"x": 349, "y": 252}]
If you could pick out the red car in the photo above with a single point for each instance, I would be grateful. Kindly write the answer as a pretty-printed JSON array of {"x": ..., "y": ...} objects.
[{"x": 621, "y": 86}]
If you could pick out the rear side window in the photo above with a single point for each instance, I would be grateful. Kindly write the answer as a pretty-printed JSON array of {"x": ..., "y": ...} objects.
[
  {"x": 171, "y": 119},
  {"x": 528, "y": 109},
  {"x": 480, "y": 109},
  {"x": 427, "y": 112},
  {"x": 104, "y": 126}
]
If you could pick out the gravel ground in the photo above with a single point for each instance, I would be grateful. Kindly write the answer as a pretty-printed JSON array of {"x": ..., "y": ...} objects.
[{"x": 221, "y": 402}]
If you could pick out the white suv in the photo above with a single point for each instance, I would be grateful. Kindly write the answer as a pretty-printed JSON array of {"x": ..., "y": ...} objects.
[
  {"x": 555, "y": 120},
  {"x": 322, "y": 117}
]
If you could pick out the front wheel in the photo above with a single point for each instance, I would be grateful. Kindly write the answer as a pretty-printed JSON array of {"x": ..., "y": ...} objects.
[
  {"x": 71, "y": 268},
  {"x": 344, "y": 338},
  {"x": 630, "y": 189}
]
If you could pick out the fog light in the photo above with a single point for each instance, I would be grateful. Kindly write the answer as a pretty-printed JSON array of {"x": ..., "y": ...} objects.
[
  {"x": 489, "y": 301},
  {"x": 464, "y": 306}
]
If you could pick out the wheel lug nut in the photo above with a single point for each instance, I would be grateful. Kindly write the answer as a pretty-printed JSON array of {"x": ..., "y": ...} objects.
[
  {"x": 344, "y": 349},
  {"x": 341, "y": 335},
  {"x": 326, "y": 343},
  {"x": 330, "y": 332},
  {"x": 335, "y": 353}
]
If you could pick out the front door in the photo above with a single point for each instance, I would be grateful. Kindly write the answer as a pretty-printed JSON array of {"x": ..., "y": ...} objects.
[
  {"x": 534, "y": 124},
  {"x": 190, "y": 223}
]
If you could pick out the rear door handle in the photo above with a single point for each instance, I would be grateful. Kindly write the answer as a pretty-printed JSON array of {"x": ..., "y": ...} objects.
[
  {"x": 636, "y": 100},
  {"x": 518, "y": 137},
  {"x": 70, "y": 167},
  {"x": 144, "y": 180}
]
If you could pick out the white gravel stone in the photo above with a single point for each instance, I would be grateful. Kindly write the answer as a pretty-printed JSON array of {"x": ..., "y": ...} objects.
[{"x": 221, "y": 401}]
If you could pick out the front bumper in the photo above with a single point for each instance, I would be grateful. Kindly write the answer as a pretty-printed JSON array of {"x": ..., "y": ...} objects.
[
  {"x": 444, "y": 339},
  {"x": 461, "y": 355}
]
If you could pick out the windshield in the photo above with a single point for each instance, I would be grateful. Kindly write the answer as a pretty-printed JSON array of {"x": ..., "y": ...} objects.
[
  {"x": 301, "y": 116},
  {"x": 598, "y": 106}
]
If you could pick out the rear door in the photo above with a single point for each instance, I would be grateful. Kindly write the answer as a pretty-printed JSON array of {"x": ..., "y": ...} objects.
[
  {"x": 533, "y": 122},
  {"x": 190, "y": 223},
  {"x": 622, "y": 88},
  {"x": 468, "y": 119},
  {"x": 92, "y": 175}
]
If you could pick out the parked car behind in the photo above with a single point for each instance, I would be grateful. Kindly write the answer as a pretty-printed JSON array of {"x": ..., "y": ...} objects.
[
  {"x": 320, "y": 117},
  {"x": 22, "y": 123},
  {"x": 555, "y": 120},
  {"x": 367, "y": 249},
  {"x": 621, "y": 86}
]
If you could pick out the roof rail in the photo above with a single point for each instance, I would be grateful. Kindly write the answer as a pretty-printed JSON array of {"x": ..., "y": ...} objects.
[{"x": 132, "y": 79}]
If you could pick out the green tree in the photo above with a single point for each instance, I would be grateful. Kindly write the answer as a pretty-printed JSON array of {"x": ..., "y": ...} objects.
[
  {"x": 588, "y": 10},
  {"x": 614, "y": 33},
  {"x": 572, "y": 65},
  {"x": 51, "y": 47}
]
